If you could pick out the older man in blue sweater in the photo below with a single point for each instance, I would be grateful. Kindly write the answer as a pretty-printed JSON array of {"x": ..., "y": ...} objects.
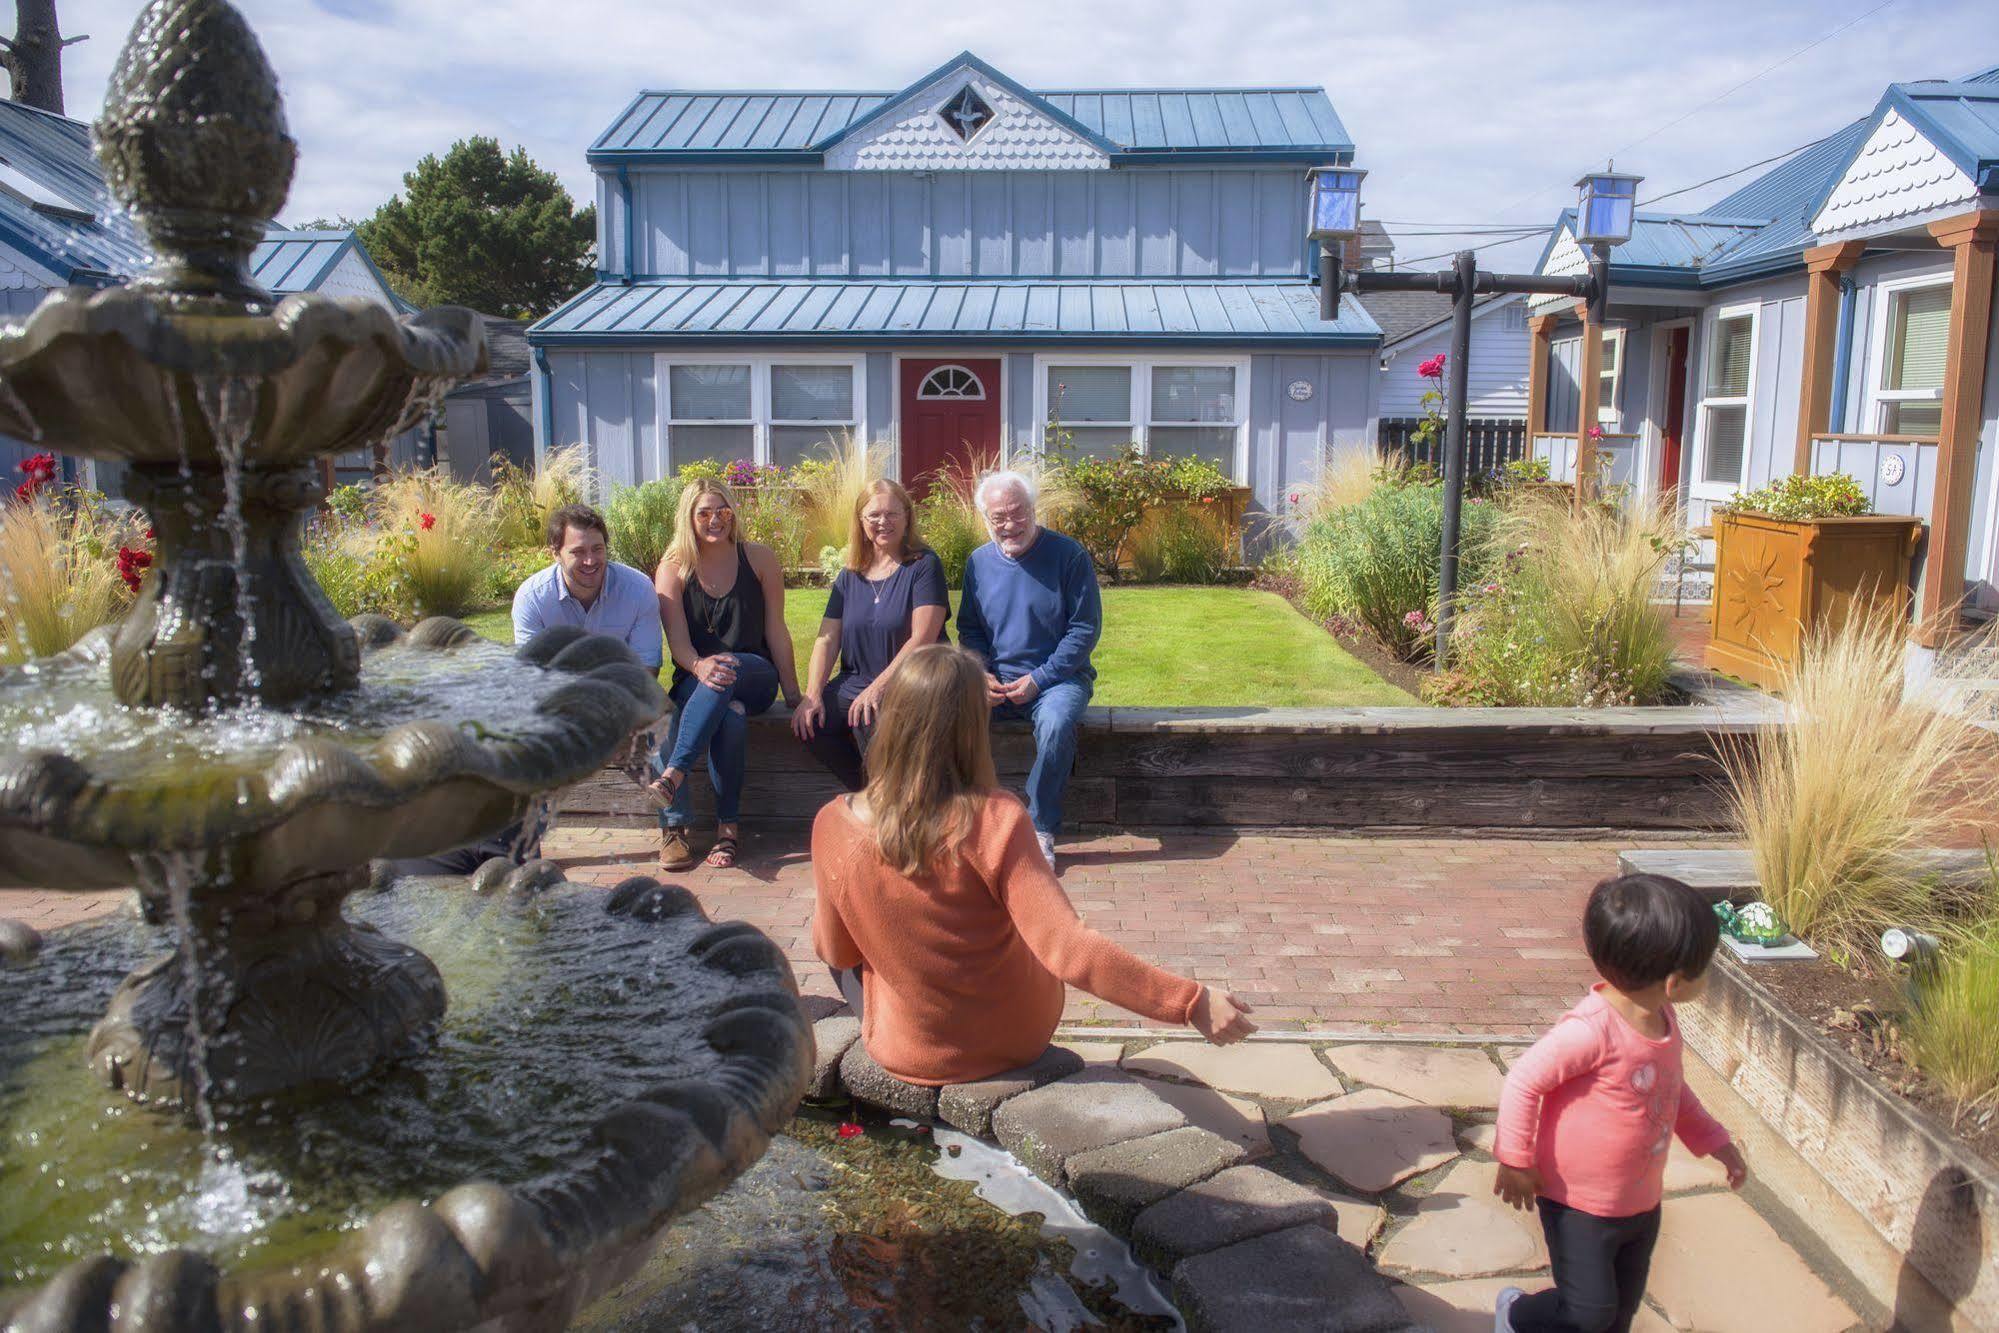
[{"x": 1031, "y": 608}]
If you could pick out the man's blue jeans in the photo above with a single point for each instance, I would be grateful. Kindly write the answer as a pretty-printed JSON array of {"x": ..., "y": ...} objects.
[
  {"x": 1055, "y": 714},
  {"x": 704, "y": 723}
]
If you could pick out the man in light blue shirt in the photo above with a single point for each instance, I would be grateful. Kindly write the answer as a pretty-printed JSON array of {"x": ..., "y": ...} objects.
[{"x": 585, "y": 587}]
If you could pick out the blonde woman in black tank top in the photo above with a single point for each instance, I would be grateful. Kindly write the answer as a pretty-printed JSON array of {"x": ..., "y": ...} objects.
[{"x": 722, "y": 603}]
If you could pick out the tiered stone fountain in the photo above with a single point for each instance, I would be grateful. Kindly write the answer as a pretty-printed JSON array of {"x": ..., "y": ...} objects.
[{"x": 240, "y": 753}]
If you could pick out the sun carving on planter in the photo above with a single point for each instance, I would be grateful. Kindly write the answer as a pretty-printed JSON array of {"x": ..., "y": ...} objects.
[{"x": 1755, "y": 590}]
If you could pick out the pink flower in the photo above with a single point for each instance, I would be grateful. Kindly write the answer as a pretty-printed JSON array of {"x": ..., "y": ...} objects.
[
  {"x": 1418, "y": 622},
  {"x": 1433, "y": 369},
  {"x": 426, "y": 521},
  {"x": 1596, "y": 432}
]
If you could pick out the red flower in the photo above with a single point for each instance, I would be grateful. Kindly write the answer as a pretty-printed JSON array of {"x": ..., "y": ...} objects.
[
  {"x": 850, "y": 1130},
  {"x": 1596, "y": 432},
  {"x": 39, "y": 471},
  {"x": 426, "y": 521},
  {"x": 1433, "y": 369},
  {"x": 151, "y": 535},
  {"x": 132, "y": 566}
]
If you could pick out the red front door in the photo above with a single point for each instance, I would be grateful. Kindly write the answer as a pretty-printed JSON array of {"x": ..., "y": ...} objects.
[
  {"x": 950, "y": 417},
  {"x": 1674, "y": 430}
]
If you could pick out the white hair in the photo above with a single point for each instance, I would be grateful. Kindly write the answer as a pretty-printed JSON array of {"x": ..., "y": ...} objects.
[{"x": 1004, "y": 481}]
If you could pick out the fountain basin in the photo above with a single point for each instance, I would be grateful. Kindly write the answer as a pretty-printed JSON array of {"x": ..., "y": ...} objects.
[{"x": 609, "y": 1061}]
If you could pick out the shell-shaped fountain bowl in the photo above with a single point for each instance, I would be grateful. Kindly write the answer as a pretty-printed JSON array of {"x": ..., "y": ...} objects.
[{"x": 134, "y": 374}]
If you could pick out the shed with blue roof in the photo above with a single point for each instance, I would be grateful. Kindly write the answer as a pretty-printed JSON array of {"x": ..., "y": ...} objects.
[
  {"x": 954, "y": 270},
  {"x": 1834, "y": 314}
]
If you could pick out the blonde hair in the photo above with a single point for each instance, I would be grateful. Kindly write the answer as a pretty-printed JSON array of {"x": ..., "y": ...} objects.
[
  {"x": 684, "y": 549},
  {"x": 860, "y": 551},
  {"x": 930, "y": 767}
]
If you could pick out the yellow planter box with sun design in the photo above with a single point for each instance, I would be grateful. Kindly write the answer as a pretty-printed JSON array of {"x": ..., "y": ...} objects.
[{"x": 1777, "y": 581}]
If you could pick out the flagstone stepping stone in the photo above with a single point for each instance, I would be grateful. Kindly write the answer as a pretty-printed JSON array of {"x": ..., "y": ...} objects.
[
  {"x": 970, "y": 1106},
  {"x": 1238, "y": 1204},
  {"x": 1480, "y": 1137},
  {"x": 1230, "y": 1117},
  {"x": 1095, "y": 1052},
  {"x": 868, "y": 1082},
  {"x": 1465, "y": 1305},
  {"x": 1114, "y": 1183},
  {"x": 832, "y": 1038},
  {"x": 1433, "y": 1075},
  {"x": 1372, "y": 1139},
  {"x": 1303, "y": 1277},
  {"x": 1094, "y": 1109},
  {"x": 1770, "y": 1287},
  {"x": 1462, "y": 1229},
  {"x": 1281, "y": 1070}
]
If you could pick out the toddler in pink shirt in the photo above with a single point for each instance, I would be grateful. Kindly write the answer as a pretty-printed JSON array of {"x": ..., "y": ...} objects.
[{"x": 1590, "y": 1110}]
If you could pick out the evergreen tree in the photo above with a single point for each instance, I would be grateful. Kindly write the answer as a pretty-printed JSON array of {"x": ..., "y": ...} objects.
[{"x": 481, "y": 228}]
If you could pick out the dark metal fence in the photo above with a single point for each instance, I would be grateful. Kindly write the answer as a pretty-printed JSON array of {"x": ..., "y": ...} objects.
[{"x": 1490, "y": 443}]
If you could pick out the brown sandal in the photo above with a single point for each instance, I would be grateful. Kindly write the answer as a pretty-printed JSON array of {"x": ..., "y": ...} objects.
[
  {"x": 675, "y": 852},
  {"x": 664, "y": 791},
  {"x": 722, "y": 856}
]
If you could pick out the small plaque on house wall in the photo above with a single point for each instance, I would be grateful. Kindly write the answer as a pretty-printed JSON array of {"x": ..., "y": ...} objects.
[
  {"x": 1300, "y": 391},
  {"x": 1892, "y": 468}
]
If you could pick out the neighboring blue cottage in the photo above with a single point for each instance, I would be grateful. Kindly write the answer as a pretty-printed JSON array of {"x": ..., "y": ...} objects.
[
  {"x": 946, "y": 268},
  {"x": 1834, "y": 314},
  {"x": 59, "y": 227}
]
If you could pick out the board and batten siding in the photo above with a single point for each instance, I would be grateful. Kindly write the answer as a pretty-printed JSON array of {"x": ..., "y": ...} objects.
[
  {"x": 607, "y": 398},
  {"x": 1498, "y": 385},
  {"x": 1142, "y": 222}
]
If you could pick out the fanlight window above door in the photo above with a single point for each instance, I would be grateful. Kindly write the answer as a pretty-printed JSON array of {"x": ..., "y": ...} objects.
[{"x": 950, "y": 382}]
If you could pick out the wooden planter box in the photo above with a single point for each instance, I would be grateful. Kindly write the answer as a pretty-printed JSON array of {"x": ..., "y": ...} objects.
[
  {"x": 1228, "y": 509},
  {"x": 1776, "y": 582}
]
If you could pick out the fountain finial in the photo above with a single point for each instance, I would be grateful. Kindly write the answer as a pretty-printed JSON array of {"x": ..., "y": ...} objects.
[{"x": 193, "y": 140}]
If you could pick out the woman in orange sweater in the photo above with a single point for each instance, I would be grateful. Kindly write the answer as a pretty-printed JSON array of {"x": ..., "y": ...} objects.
[{"x": 931, "y": 886}]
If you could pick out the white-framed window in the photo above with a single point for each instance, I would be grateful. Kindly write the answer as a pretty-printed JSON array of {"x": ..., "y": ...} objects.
[
  {"x": 1610, "y": 382},
  {"x": 779, "y": 409},
  {"x": 1182, "y": 405},
  {"x": 1912, "y": 333},
  {"x": 1728, "y": 379}
]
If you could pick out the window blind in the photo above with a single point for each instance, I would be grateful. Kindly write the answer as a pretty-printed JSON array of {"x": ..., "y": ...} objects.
[
  {"x": 1089, "y": 393},
  {"x": 709, "y": 393},
  {"x": 1193, "y": 393},
  {"x": 811, "y": 393},
  {"x": 1728, "y": 373},
  {"x": 1919, "y": 331}
]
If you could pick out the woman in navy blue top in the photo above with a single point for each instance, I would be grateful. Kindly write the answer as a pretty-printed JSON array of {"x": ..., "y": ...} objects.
[{"x": 889, "y": 600}]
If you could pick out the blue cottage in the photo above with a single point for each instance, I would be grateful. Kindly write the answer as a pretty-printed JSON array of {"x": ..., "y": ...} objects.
[{"x": 946, "y": 270}]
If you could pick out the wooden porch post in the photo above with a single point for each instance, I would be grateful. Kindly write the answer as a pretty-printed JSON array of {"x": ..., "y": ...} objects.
[
  {"x": 1823, "y": 266},
  {"x": 1589, "y": 387},
  {"x": 1973, "y": 238},
  {"x": 1540, "y": 339}
]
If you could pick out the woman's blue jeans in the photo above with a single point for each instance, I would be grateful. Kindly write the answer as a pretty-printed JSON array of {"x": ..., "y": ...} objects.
[{"x": 704, "y": 723}]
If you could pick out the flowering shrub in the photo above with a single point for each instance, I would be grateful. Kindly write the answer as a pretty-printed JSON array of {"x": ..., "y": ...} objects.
[
  {"x": 1800, "y": 499},
  {"x": 133, "y": 562},
  {"x": 38, "y": 474},
  {"x": 742, "y": 472},
  {"x": 1519, "y": 471},
  {"x": 1431, "y": 428},
  {"x": 60, "y": 568}
]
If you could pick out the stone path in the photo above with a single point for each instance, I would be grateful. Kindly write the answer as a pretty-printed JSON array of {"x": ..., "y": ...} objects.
[{"x": 1362, "y": 1201}]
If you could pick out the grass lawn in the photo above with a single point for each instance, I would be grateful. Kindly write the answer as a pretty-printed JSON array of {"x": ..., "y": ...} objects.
[{"x": 1171, "y": 647}]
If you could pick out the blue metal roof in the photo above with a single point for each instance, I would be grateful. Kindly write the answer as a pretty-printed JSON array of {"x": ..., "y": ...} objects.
[
  {"x": 1961, "y": 118},
  {"x": 1128, "y": 123},
  {"x": 1239, "y": 312},
  {"x": 54, "y": 152},
  {"x": 298, "y": 261}
]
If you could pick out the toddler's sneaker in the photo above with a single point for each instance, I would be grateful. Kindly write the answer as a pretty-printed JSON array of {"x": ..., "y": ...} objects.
[{"x": 1502, "y": 1321}]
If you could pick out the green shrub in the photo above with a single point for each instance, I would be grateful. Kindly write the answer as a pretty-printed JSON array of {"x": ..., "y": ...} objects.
[
  {"x": 1565, "y": 618},
  {"x": 1799, "y": 499},
  {"x": 1521, "y": 470},
  {"x": 641, "y": 519},
  {"x": 1184, "y": 545},
  {"x": 1375, "y": 561},
  {"x": 1111, "y": 497},
  {"x": 949, "y": 522},
  {"x": 775, "y": 515},
  {"x": 334, "y": 564}
]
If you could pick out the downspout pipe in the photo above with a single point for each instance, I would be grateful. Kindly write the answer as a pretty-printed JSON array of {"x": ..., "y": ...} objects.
[
  {"x": 544, "y": 383},
  {"x": 625, "y": 196},
  {"x": 1842, "y": 353}
]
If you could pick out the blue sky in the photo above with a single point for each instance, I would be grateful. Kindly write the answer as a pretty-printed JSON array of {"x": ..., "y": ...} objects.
[{"x": 1476, "y": 113}]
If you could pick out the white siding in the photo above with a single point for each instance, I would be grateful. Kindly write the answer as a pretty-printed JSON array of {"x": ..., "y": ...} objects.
[
  {"x": 352, "y": 277},
  {"x": 1499, "y": 353}
]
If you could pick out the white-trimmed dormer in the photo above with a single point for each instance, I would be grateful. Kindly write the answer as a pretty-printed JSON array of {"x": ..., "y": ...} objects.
[
  {"x": 966, "y": 118},
  {"x": 1897, "y": 179}
]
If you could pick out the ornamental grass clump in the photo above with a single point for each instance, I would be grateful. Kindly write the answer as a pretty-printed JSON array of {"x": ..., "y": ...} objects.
[
  {"x": 523, "y": 498},
  {"x": 831, "y": 487},
  {"x": 433, "y": 541},
  {"x": 1565, "y": 617},
  {"x": 1949, "y": 1028},
  {"x": 1836, "y": 800},
  {"x": 1375, "y": 562},
  {"x": 60, "y": 570}
]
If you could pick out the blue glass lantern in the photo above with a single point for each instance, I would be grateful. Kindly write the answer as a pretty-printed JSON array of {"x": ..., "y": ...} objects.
[
  {"x": 1335, "y": 203},
  {"x": 1606, "y": 207}
]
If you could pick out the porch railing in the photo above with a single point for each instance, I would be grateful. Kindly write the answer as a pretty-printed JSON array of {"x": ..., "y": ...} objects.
[
  {"x": 1617, "y": 458},
  {"x": 1490, "y": 443}
]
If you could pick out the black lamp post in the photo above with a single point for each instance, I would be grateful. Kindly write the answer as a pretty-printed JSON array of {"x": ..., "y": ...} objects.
[{"x": 1604, "y": 214}]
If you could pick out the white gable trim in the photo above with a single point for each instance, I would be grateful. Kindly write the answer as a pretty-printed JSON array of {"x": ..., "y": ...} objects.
[
  {"x": 17, "y": 271},
  {"x": 911, "y": 136},
  {"x": 1478, "y": 312},
  {"x": 1897, "y": 179},
  {"x": 1565, "y": 260}
]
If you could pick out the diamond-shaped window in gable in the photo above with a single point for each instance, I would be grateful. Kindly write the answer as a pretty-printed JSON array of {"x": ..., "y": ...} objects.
[{"x": 967, "y": 113}]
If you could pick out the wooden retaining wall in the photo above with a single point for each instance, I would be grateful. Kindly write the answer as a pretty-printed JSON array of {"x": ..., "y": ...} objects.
[{"x": 1528, "y": 770}]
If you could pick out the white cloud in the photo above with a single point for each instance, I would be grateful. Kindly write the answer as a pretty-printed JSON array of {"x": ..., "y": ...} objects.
[{"x": 1469, "y": 113}]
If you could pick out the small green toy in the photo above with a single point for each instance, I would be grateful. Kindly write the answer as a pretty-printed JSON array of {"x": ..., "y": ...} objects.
[{"x": 1754, "y": 923}]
